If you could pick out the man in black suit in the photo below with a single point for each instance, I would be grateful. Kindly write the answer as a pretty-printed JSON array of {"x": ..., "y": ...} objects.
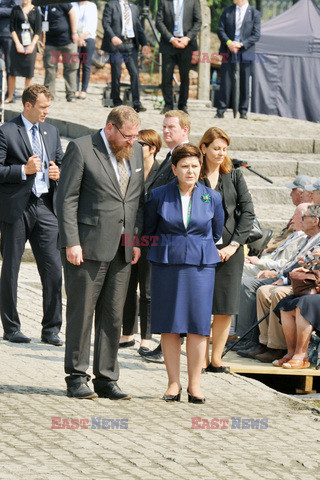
[
  {"x": 238, "y": 31},
  {"x": 100, "y": 197},
  {"x": 123, "y": 34},
  {"x": 30, "y": 157},
  {"x": 179, "y": 22}
]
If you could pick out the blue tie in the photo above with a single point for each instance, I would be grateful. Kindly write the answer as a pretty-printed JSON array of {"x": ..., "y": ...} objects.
[{"x": 36, "y": 147}]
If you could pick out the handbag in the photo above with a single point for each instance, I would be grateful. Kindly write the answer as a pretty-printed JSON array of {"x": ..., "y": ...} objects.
[
  {"x": 305, "y": 283},
  {"x": 256, "y": 232}
]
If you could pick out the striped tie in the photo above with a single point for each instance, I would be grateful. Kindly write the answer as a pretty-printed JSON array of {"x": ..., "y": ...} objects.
[
  {"x": 36, "y": 147},
  {"x": 126, "y": 17}
]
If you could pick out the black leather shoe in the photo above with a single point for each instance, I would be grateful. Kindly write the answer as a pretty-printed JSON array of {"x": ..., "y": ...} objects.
[
  {"x": 165, "y": 110},
  {"x": 139, "y": 108},
  {"x": 16, "y": 337},
  {"x": 173, "y": 398},
  {"x": 127, "y": 344},
  {"x": 244, "y": 346},
  {"x": 192, "y": 399},
  {"x": 144, "y": 351},
  {"x": 80, "y": 390},
  {"x": 52, "y": 339},
  {"x": 243, "y": 116},
  {"x": 154, "y": 356},
  {"x": 184, "y": 109},
  {"x": 210, "y": 368},
  {"x": 111, "y": 390},
  {"x": 219, "y": 115}
]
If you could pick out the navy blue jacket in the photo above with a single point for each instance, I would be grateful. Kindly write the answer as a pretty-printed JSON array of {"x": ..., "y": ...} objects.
[
  {"x": 249, "y": 33},
  {"x": 173, "y": 243}
]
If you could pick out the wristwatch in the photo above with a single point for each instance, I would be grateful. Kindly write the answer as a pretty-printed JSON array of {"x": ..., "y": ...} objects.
[{"x": 235, "y": 244}]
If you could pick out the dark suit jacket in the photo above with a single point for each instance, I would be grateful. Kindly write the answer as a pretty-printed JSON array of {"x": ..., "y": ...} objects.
[
  {"x": 91, "y": 210},
  {"x": 176, "y": 244},
  {"x": 112, "y": 25},
  {"x": 165, "y": 24},
  {"x": 15, "y": 149},
  {"x": 249, "y": 33},
  {"x": 237, "y": 205},
  {"x": 162, "y": 176}
]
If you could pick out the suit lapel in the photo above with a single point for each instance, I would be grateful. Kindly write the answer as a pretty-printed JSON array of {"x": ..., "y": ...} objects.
[
  {"x": 233, "y": 19},
  {"x": 119, "y": 13},
  {"x": 245, "y": 18},
  {"x": 45, "y": 139},
  {"x": 171, "y": 11},
  {"x": 101, "y": 152},
  {"x": 24, "y": 135}
]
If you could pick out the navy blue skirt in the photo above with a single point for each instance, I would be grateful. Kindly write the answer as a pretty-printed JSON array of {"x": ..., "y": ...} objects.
[{"x": 181, "y": 298}]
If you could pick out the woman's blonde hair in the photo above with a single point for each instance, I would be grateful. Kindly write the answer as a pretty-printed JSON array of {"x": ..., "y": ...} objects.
[{"x": 208, "y": 137}]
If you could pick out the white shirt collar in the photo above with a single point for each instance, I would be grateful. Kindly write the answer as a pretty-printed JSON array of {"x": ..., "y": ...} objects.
[{"x": 243, "y": 8}]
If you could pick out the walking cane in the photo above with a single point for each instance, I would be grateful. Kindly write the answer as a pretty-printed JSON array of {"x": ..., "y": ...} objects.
[{"x": 245, "y": 334}]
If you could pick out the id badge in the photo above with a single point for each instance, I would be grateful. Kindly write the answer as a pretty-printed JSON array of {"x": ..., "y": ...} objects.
[
  {"x": 45, "y": 26},
  {"x": 26, "y": 37},
  {"x": 25, "y": 26},
  {"x": 176, "y": 29}
]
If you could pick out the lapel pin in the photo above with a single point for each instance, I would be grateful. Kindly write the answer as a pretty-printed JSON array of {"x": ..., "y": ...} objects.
[{"x": 44, "y": 133}]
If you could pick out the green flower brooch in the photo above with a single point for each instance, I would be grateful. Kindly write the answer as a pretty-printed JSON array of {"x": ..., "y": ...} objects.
[{"x": 206, "y": 198}]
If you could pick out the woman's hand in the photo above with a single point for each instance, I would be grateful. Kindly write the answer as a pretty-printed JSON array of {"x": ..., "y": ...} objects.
[
  {"x": 20, "y": 48},
  {"x": 30, "y": 48},
  {"x": 227, "y": 252}
]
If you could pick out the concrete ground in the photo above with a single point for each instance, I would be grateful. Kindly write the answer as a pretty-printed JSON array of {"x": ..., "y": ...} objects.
[
  {"x": 255, "y": 432},
  {"x": 258, "y": 433}
]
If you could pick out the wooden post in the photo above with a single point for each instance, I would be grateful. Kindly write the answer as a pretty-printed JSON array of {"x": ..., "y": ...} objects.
[{"x": 204, "y": 68}]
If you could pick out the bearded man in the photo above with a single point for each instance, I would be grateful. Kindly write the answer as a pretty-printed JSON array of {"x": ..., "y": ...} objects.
[{"x": 99, "y": 198}]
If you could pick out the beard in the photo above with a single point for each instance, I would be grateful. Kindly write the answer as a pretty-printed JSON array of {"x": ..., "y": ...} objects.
[{"x": 121, "y": 153}]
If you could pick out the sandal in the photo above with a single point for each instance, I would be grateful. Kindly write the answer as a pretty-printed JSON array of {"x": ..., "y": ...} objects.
[
  {"x": 279, "y": 363},
  {"x": 297, "y": 364}
]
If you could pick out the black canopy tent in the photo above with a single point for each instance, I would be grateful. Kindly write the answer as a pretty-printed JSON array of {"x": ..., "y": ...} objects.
[{"x": 286, "y": 73}]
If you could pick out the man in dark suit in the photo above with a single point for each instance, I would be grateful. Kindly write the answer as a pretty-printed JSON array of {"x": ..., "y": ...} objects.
[
  {"x": 238, "y": 31},
  {"x": 30, "y": 157},
  {"x": 123, "y": 34},
  {"x": 100, "y": 197},
  {"x": 179, "y": 22}
]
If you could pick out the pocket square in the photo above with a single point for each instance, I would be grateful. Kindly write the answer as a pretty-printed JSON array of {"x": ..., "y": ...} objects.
[{"x": 138, "y": 169}]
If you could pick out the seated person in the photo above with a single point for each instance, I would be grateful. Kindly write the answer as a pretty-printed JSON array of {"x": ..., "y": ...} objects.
[
  {"x": 299, "y": 317},
  {"x": 314, "y": 189},
  {"x": 297, "y": 188},
  {"x": 271, "y": 338}
]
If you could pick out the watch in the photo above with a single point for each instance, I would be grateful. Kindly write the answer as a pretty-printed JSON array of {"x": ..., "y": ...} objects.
[{"x": 235, "y": 244}]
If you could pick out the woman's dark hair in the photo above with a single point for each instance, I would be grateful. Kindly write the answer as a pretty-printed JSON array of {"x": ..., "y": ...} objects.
[
  {"x": 184, "y": 151},
  {"x": 152, "y": 138}
]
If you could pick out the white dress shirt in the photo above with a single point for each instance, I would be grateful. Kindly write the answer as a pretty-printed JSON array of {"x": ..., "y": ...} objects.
[
  {"x": 240, "y": 14},
  {"x": 127, "y": 31},
  {"x": 87, "y": 18}
]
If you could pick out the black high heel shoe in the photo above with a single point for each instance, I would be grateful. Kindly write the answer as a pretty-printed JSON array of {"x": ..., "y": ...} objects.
[
  {"x": 172, "y": 398},
  {"x": 192, "y": 399}
]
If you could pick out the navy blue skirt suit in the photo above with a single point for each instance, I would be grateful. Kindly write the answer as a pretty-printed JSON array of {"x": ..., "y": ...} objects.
[{"x": 183, "y": 259}]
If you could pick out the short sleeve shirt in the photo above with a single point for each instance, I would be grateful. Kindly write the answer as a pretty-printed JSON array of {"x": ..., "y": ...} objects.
[{"x": 59, "y": 33}]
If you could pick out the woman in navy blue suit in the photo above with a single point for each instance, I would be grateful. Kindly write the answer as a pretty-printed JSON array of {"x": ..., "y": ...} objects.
[{"x": 186, "y": 219}]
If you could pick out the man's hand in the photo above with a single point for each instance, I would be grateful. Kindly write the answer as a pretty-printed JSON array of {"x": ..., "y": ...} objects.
[
  {"x": 267, "y": 274},
  {"x": 136, "y": 253},
  {"x": 145, "y": 50},
  {"x": 33, "y": 165},
  {"x": 74, "y": 255},
  {"x": 278, "y": 282},
  {"x": 54, "y": 172},
  {"x": 253, "y": 260},
  {"x": 184, "y": 41},
  {"x": 116, "y": 41},
  {"x": 175, "y": 42},
  {"x": 234, "y": 47}
]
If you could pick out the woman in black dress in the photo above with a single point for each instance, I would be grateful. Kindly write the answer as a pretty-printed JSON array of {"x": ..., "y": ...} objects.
[
  {"x": 25, "y": 27},
  {"x": 219, "y": 174}
]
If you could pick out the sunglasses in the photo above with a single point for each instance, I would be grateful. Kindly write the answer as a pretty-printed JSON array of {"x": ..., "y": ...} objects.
[{"x": 144, "y": 144}]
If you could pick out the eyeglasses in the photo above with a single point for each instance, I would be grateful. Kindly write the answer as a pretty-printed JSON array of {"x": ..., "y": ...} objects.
[
  {"x": 126, "y": 137},
  {"x": 307, "y": 216},
  {"x": 144, "y": 144}
]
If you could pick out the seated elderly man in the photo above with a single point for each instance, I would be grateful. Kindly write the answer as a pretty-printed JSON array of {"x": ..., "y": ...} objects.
[
  {"x": 275, "y": 262},
  {"x": 271, "y": 338},
  {"x": 279, "y": 257},
  {"x": 297, "y": 188},
  {"x": 314, "y": 189}
]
